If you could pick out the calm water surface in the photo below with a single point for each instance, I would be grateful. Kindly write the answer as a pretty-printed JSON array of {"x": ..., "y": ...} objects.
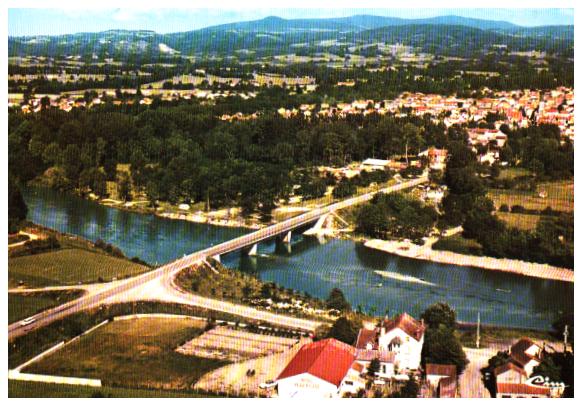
[{"x": 375, "y": 281}]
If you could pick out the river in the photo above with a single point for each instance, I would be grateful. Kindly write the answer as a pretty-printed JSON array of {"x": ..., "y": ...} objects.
[{"x": 375, "y": 281}]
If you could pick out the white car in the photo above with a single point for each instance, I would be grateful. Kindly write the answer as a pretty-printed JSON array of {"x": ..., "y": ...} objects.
[
  {"x": 269, "y": 384},
  {"x": 27, "y": 321}
]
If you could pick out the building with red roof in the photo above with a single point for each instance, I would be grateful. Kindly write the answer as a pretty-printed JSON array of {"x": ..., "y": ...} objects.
[{"x": 319, "y": 369}]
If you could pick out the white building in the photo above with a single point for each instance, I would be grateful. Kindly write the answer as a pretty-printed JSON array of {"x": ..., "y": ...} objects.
[{"x": 397, "y": 343}]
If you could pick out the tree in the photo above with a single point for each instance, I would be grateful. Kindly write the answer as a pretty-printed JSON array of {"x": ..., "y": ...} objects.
[
  {"x": 344, "y": 330},
  {"x": 124, "y": 187},
  {"x": 374, "y": 367},
  {"x": 17, "y": 209},
  {"x": 337, "y": 300},
  {"x": 409, "y": 390},
  {"x": 441, "y": 346},
  {"x": 439, "y": 314}
]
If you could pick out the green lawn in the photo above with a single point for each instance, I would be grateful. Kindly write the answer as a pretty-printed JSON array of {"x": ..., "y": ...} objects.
[
  {"x": 135, "y": 353},
  {"x": 22, "y": 305},
  {"x": 560, "y": 196},
  {"x": 495, "y": 335},
  {"x": 512, "y": 173},
  {"x": 526, "y": 222},
  {"x": 20, "y": 389},
  {"x": 68, "y": 267}
]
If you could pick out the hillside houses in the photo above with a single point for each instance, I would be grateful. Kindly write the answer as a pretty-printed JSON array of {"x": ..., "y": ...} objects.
[
  {"x": 515, "y": 377},
  {"x": 329, "y": 368}
]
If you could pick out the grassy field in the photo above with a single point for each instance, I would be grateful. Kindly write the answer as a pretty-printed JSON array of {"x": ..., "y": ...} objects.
[
  {"x": 526, "y": 222},
  {"x": 560, "y": 196},
  {"x": 495, "y": 335},
  {"x": 20, "y": 389},
  {"x": 68, "y": 267},
  {"x": 23, "y": 305},
  {"x": 456, "y": 243},
  {"x": 135, "y": 353},
  {"x": 512, "y": 173}
]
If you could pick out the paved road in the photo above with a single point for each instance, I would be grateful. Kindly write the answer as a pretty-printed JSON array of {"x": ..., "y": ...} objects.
[{"x": 100, "y": 296}]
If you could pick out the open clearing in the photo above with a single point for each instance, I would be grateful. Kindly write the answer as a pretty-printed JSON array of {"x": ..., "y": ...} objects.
[
  {"x": 23, "y": 305},
  {"x": 225, "y": 343},
  {"x": 526, "y": 222},
  {"x": 135, "y": 353},
  {"x": 68, "y": 267},
  {"x": 233, "y": 379},
  {"x": 560, "y": 197}
]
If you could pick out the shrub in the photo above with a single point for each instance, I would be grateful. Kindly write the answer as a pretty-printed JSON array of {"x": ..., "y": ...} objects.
[
  {"x": 504, "y": 208},
  {"x": 517, "y": 209}
]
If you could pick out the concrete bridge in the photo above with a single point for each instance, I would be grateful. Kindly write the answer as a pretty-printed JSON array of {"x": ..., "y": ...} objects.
[{"x": 246, "y": 243}]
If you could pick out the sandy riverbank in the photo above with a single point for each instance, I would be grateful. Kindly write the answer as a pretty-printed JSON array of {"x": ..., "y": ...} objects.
[{"x": 425, "y": 252}]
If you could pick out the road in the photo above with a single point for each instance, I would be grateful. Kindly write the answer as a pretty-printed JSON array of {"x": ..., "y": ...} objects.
[{"x": 118, "y": 289}]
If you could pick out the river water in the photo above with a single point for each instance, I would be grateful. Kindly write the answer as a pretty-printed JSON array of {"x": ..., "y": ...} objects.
[{"x": 375, "y": 281}]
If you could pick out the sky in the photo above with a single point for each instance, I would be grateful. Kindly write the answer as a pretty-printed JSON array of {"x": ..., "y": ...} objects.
[{"x": 36, "y": 21}]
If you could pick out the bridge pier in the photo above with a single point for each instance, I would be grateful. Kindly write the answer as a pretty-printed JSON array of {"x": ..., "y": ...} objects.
[
  {"x": 318, "y": 226},
  {"x": 250, "y": 251},
  {"x": 287, "y": 238}
]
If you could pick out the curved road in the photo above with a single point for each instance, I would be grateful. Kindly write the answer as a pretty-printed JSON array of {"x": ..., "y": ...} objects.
[{"x": 116, "y": 289}]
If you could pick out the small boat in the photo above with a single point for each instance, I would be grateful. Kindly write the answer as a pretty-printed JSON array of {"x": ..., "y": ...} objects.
[
  {"x": 503, "y": 290},
  {"x": 378, "y": 285}
]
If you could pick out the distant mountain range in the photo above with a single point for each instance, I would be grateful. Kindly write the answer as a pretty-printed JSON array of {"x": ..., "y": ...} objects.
[{"x": 451, "y": 35}]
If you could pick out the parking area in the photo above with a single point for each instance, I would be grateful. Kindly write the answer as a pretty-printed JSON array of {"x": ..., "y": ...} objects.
[{"x": 229, "y": 344}]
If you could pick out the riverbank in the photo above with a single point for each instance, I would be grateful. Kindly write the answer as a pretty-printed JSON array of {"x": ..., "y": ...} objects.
[
  {"x": 426, "y": 253},
  {"x": 216, "y": 218}
]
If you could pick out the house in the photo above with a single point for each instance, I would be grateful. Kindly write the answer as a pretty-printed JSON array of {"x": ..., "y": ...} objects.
[
  {"x": 514, "y": 380},
  {"x": 397, "y": 343},
  {"x": 526, "y": 354},
  {"x": 436, "y": 372},
  {"x": 522, "y": 390},
  {"x": 436, "y": 158},
  {"x": 372, "y": 164},
  {"x": 322, "y": 369}
]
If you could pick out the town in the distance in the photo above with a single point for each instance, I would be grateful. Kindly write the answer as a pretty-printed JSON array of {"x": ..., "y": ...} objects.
[{"x": 372, "y": 206}]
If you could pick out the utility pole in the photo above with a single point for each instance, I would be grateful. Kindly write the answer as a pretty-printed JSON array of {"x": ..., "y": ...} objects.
[
  {"x": 566, "y": 338},
  {"x": 478, "y": 338}
]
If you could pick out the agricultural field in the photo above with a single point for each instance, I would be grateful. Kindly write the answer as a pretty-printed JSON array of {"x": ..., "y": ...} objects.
[
  {"x": 225, "y": 343},
  {"x": 23, "y": 305},
  {"x": 559, "y": 196},
  {"x": 20, "y": 389},
  {"x": 137, "y": 353},
  {"x": 70, "y": 266}
]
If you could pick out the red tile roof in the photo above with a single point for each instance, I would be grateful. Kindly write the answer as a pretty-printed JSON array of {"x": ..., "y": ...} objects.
[
  {"x": 356, "y": 366},
  {"x": 518, "y": 351},
  {"x": 369, "y": 355},
  {"x": 406, "y": 323},
  {"x": 366, "y": 336},
  {"x": 507, "y": 367},
  {"x": 521, "y": 389},
  {"x": 441, "y": 369},
  {"x": 328, "y": 359}
]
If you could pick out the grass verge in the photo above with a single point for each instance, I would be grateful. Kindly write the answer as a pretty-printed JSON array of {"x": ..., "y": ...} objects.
[
  {"x": 136, "y": 353},
  {"x": 69, "y": 267},
  {"x": 21, "y": 389},
  {"x": 23, "y": 305}
]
